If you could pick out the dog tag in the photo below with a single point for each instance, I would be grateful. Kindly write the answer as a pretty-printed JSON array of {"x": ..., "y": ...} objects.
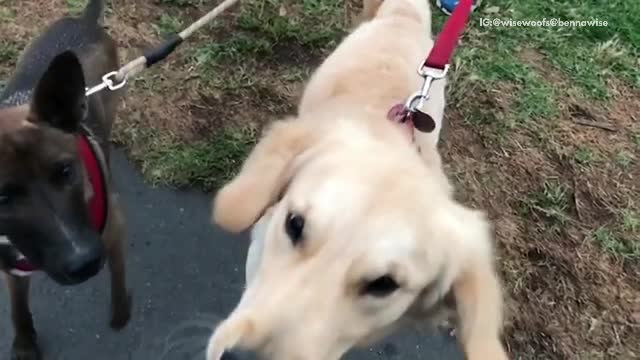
[{"x": 422, "y": 121}]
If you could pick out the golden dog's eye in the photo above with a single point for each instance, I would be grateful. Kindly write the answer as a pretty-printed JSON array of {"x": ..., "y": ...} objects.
[
  {"x": 380, "y": 287},
  {"x": 294, "y": 226}
]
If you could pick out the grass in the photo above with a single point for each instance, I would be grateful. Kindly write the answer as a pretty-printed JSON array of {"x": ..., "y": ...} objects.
[
  {"x": 312, "y": 23},
  {"x": 585, "y": 156},
  {"x": 552, "y": 201},
  {"x": 267, "y": 32},
  {"x": 630, "y": 221},
  {"x": 624, "y": 159},
  {"x": 608, "y": 240},
  {"x": 9, "y": 51},
  {"x": 75, "y": 6},
  {"x": 209, "y": 163},
  {"x": 181, "y": 3},
  {"x": 168, "y": 25},
  {"x": 586, "y": 56},
  {"x": 7, "y": 14}
]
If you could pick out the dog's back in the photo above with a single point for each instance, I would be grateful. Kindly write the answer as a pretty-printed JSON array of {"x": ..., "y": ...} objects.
[{"x": 392, "y": 37}]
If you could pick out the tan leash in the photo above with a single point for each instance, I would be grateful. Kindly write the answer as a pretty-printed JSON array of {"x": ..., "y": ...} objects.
[{"x": 118, "y": 79}]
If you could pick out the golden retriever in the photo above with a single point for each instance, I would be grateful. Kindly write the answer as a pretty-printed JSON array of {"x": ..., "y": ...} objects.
[{"x": 355, "y": 228}]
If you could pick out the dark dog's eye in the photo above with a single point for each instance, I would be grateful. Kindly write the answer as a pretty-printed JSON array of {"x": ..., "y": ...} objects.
[
  {"x": 63, "y": 173},
  {"x": 380, "y": 287},
  {"x": 294, "y": 226},
  {"x": 5, "y": 199}
]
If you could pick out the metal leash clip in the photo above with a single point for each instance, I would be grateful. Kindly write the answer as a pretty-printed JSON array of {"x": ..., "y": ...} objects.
[
  {"x": 421, "y": 120},
  {"x": 107, "y": 82},
  {"x": 416, "y": 101}
]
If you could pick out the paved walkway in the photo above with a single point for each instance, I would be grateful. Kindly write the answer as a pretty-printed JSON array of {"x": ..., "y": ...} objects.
[{"x": 185, "y": 275}]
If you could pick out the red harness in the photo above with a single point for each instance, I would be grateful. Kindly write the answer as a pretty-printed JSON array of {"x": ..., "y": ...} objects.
[
  {"x": 433, "y": 68},
  {"x": 98, "y": 205}
]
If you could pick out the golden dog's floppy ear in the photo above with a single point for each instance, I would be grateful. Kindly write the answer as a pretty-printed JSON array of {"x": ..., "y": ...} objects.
[{"x": 262, "y": 177}]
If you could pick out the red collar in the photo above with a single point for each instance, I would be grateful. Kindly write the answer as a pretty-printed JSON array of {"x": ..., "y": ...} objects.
[
  {"x": 91, "y": 156},
  {"x": 434, "y": 67}
]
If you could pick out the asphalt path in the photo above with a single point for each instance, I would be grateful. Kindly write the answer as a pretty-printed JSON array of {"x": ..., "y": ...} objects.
[{"x": 185, "y": 276}]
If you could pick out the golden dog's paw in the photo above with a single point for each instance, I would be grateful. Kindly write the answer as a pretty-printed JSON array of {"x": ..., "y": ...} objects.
[
  {"x": 489, "y": 350},
  {"x": 229, "y": 334}
]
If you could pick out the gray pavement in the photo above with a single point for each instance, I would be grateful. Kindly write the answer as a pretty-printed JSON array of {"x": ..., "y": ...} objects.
[{"x": 185, "y": 276}]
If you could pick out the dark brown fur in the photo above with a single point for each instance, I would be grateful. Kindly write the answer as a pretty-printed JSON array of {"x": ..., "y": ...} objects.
[{"x": 33, "y": 139}]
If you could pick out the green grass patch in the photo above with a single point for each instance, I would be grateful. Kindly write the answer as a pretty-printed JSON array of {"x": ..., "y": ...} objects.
[
  {"x": 270, "y": 35},
  {"x": 585, "y": 156},
  {"x": 552, "y": 201},
  {"x": 9, "y": 52},
  {"x": 235, "y": 50},
  {"x": 630, "y": 221},
  {"x": 587, "y": 56},
  {"x": 168, "y": 25},
  {"x": 614, "y": 245},
  {"x": 6, "y": 14},
  {"x": 207, "y": 163},
  {"x": 624, "y": 159},
  {"x": 312, "y": 23},
  {"x": 636, "y": 139},
  {"x": 75, "y": 7},
  {"x": 494, "y": 66}
]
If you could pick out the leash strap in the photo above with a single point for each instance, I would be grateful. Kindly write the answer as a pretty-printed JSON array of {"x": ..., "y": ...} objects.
[
  {"x": 436, "y": 65},
  {"x": 447, "y": 40},
  {"x": 117, "y": 79}
]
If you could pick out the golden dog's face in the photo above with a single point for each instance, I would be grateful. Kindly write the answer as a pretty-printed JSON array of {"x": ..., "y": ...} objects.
[{"x": 353, "y": 239}]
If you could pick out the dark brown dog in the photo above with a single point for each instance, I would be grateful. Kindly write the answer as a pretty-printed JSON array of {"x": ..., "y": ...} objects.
[{"x": 57, "y": 212}]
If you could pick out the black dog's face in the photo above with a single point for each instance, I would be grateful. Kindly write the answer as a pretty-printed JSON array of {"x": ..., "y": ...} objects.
[{"x": 43, "y": 208}]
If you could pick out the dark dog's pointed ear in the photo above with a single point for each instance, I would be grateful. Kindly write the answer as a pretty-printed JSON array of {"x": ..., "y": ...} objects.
[{"x": 59, "y": 98}]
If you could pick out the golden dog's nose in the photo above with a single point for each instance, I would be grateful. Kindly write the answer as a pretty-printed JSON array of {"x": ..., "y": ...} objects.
[{"x": 239, "y": 355}]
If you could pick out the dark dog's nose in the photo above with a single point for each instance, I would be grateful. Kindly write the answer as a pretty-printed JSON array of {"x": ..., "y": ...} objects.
[{"x": 81, "y": 267}]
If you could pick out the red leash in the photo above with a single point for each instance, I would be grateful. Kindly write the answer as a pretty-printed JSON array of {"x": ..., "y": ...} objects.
[
  {"x": 447, "y": 40},
  {"x": 436, "y": 65}
]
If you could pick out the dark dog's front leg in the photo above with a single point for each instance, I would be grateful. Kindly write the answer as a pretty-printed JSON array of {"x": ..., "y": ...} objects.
[
  {"x": 120, "y": 299},
  {"x": 25, "y": 345}
]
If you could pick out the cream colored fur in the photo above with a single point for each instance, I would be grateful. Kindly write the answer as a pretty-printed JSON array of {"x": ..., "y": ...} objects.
[{"x": 373, "y": 206}]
